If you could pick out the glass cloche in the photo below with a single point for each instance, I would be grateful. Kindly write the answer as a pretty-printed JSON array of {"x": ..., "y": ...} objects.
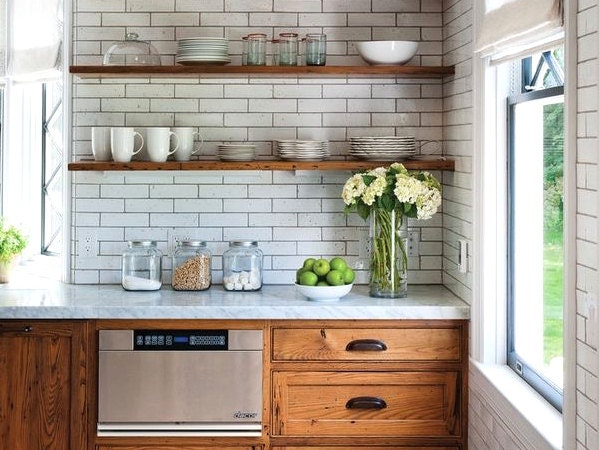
[{"x": 132, "y": 52}]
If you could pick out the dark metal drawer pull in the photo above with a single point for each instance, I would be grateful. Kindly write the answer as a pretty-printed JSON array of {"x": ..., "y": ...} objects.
[
  {"x": 28, "y": 329},
  {"x": 366, "y": 403},
  {"x": 366, "y": 345}
]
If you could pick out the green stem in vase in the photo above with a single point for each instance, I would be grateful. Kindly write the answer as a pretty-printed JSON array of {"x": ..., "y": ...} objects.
[{"x": 387, "y": 266}]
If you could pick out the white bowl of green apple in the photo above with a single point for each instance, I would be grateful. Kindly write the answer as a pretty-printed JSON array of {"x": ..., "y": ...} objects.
[{"x": 324, "y": 280}]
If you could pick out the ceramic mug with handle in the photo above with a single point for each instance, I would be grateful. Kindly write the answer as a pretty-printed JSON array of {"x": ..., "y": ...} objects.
[
  {"x": 101, "y": 143},
  {"x": 158, "y": 143},
  {"x": 122, "y": 143},
  {"x": 186, "y": 142}
]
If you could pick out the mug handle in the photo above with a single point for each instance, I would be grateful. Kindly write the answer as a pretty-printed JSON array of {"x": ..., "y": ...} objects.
[
  {"x": 140, "y": 145},
  {"x": 201, "y": 142},
  {"x": 176, "y": 146}
]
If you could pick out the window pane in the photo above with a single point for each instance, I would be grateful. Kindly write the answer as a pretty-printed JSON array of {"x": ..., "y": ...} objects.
[{"x": 537, "y": 235}]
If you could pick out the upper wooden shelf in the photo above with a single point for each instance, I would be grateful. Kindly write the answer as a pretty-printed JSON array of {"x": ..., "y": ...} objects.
[
  {"x": 178, "y": 70},
  {"x": 436, "y": 164}
]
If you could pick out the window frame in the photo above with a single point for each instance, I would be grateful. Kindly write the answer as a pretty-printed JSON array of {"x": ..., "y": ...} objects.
[{"x": 541, "y": 384}]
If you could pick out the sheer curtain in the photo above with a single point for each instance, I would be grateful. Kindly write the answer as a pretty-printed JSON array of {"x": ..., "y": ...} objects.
[
  {"x": 34, "y": 38},
  {"x": 513, "y": 28}
]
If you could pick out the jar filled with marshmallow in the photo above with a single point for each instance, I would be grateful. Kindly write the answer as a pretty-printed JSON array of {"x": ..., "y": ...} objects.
[{"x": 242, "y": 266}]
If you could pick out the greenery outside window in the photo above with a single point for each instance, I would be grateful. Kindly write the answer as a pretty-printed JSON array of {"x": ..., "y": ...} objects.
[{"x": 535, "y": 225}]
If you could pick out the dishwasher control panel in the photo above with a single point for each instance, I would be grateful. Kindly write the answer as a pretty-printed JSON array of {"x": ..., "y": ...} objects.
[{"x": 195, "y": 340}]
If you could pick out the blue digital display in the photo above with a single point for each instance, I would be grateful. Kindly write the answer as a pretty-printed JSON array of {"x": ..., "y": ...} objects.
[{"x": 181, "y": 339}]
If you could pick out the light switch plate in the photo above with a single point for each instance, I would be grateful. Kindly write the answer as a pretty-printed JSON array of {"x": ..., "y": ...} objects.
[{"x": 462, "y": 256}]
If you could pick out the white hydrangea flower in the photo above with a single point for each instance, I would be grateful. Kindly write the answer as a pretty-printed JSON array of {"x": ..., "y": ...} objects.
[
  {"x": 407, "y": 189},
  {"x": 354, "y": 188},
  {"x": 428, "y": 203},
  {"x": 374, "y": 190}
]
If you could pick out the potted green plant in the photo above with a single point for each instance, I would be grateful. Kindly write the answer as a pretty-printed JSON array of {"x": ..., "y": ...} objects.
[{"x": 12, "y": 243}]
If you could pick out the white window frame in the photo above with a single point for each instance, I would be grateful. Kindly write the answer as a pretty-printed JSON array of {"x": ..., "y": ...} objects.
[{"x": 532, "y": 418}]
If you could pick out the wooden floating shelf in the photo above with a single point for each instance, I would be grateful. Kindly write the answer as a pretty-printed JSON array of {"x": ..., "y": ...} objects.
[
  {"x": 205, "y": 69},
  {"x": 437, "y": 164}
]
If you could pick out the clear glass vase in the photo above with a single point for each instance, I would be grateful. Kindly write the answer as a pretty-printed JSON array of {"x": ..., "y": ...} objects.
[{"x": 388, "y": 254}]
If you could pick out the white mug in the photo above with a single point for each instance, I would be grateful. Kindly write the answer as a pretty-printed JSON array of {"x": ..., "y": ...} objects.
[
  {"x": 158, "y": 143},
  {"x": 101, "y": 143},
  {"x": 186, "y": 144},
  {"x": 122, "y": 143}
]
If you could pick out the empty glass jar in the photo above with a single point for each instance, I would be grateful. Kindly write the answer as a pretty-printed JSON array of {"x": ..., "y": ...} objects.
[
  {"x": 191, "y": 266},
  {"x": 316, "y": 49},
  {"x": 288, "y": 49},
  {"x": 256, "y": 47},
  {"x": 242, "y": 266},
  {"x": 141, "y": 266}
]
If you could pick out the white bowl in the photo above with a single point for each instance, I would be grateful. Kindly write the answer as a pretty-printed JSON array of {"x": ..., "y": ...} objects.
[
  {"x": 324, "y": 293},
  {"x": 387, "y": 52}
]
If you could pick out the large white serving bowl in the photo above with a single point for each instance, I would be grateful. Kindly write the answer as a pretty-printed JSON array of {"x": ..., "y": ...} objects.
[
  {"x": 387, "y": 52},
  {"x": 324, "y": 293}
]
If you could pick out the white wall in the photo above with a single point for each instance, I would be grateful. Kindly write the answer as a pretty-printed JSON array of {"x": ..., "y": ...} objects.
[{"x": 292, "y": 214}]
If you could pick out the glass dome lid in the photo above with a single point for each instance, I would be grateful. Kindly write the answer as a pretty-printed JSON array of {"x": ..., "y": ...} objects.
[{"x": 132, "y": 52}]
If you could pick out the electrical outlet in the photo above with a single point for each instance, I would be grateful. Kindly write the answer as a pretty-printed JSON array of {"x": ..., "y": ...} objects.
[
  {"x": 88, "y": 242},
  {"x": 174, "y": 237},
  {"x": 462, "y": 256},
  {"x": 413, "y": 243}
]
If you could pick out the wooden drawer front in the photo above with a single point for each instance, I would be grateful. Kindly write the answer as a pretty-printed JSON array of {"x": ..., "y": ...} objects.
[
  {"x": 315, "y": 404},
  {"x": 176, "y": 447},
  {"x": 370, "y": 447},
  {"x": 383, "y": 344}
]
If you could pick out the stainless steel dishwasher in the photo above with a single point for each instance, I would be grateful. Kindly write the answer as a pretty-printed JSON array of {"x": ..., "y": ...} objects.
[{"x": 180, "y": 382}]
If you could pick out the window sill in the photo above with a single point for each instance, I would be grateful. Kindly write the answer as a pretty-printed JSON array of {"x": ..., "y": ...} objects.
[{"x": 528, "y": 415}]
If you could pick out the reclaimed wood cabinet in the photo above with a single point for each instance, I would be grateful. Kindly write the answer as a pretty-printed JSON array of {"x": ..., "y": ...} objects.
[
  {"x": 43, "y": 368},
  {"x": 369, "y": 384}
]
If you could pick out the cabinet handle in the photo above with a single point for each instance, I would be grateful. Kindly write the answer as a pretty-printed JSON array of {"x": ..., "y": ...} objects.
[
  {"x": 366, "y": 345},
  {"x": 27, "y": 329},
  {"x": 366, "y": 403}
]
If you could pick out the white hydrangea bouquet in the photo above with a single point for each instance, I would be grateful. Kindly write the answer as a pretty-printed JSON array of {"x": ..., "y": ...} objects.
[{"x": 387, "y": 195}]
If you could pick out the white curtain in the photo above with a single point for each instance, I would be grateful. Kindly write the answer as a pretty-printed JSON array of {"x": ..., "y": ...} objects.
[
  {"x": 512, "y": 28},
  {"x": 2, "y": 38},
  {"x": 35, "y": 29}
]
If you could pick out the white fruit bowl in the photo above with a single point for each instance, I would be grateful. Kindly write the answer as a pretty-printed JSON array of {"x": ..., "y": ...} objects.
[
  {"x": 387, "y": 52},
  {"x": 324, "y": 293}
]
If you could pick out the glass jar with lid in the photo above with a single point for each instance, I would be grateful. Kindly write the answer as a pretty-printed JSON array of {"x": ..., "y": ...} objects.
[
  {"x": 141, "y": 266},
  {"x": 191, "y": 266},
  {"x": 132, "y": 52},
  {"x": 242, "y": 266}
]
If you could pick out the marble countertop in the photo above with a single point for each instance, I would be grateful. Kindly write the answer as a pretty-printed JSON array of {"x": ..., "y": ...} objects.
[{"x": 51, "y": 300}]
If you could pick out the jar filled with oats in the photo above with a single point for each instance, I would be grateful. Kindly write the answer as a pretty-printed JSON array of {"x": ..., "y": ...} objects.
[{"x": 191, "y": 266}]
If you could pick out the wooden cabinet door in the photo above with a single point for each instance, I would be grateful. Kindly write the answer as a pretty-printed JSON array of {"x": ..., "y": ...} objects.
[
  {"x": 42, "y": 387},
  {"x": 373, "y": 404}
]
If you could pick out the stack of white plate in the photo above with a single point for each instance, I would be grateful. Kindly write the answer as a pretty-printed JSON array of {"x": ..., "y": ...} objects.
[
  {"x": 203, "y": 50},
  {"x": 384, "y": 148},
  {"x": 236, "y": 152},
  {"x": 294, "y": 149}
]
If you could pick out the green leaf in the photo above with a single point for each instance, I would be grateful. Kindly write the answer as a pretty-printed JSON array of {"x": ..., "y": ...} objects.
[
  {"x": 368, "y": 179},
  {"x": 363, "y": 210}
]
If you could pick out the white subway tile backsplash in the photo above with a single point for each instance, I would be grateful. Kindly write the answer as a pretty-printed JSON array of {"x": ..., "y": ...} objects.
[{"x": 278, "y": 208}]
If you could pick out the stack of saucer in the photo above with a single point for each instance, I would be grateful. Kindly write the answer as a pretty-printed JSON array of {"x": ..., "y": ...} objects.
[
  {"x": 203, "y": 50},
  {"x": 384, "y": 148},
  {"x": 236, "y": 152},
  {"x": 294, "y": 149}
]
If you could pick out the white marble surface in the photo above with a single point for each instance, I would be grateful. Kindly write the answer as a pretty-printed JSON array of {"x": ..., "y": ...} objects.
[{"x": 63, "y": 301}]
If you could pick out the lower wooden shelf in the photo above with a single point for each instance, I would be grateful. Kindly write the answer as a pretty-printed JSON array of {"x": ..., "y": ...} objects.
[{"x": 436, "y": 164}]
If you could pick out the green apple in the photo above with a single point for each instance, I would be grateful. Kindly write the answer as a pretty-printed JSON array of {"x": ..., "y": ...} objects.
[
  {"x": 322, "y": 283},
  {"x": 321, "y": 267},
  {"x": 308, "y": 263},
  {"x": 348, "y": 275},
  {"x": 338, "y": 263},
  {"x": 298, "y": 272},
  {"x": 335, "y": 278},
  {"x": 308, "y": 278}
]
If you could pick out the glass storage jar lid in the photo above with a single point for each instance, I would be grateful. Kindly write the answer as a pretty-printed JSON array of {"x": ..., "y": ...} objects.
[{"x": 132, "y": 52}]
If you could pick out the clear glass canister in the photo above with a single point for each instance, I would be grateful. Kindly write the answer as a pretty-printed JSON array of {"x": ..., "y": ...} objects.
[
  {"x": 191, "y": 266},
  {"x": 142, "y": 266},
  {"x": 242, "y": 266}
]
